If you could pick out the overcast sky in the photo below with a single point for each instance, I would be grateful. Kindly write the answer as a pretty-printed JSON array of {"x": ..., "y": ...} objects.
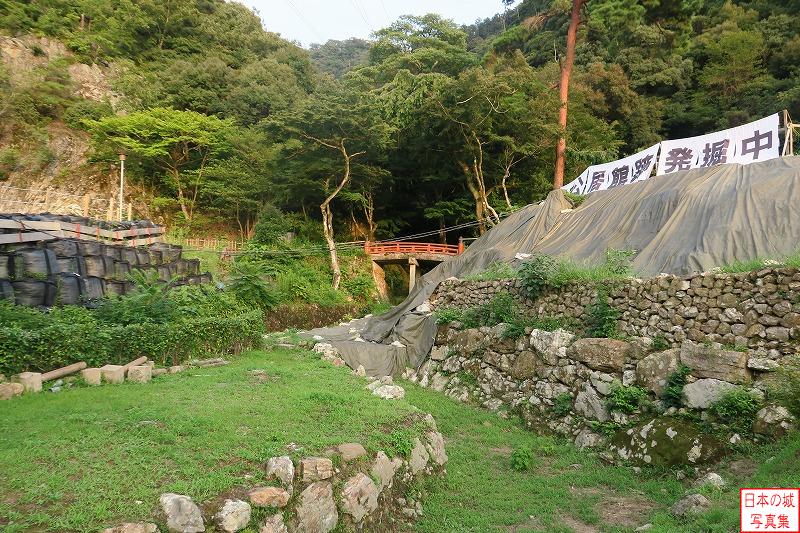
[{"x": 316, "y": 21}]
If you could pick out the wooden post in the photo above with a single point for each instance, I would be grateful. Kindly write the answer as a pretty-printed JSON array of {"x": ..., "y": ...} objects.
[
  {"x": 64, "y": 371},
  {"x": 86, "y": 200},
  {"x": 130, "y": 211},
  {"x": 46, "y": 200},
  {"x": 110, "y": 213},
  {"x": 413, "y": 274}
]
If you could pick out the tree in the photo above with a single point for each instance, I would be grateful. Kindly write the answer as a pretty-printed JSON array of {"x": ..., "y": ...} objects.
[
  {"x": 338, "y": 123},
  {"x": 563, "y": 93},
  {"x": 180, "y": 143}
]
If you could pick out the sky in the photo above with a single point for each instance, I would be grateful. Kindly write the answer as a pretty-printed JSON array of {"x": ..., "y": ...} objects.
[{"x": 316, "y": 21}]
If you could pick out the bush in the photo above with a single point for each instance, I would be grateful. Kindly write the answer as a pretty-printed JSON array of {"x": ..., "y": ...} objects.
[
  {"x": 189, "y": 322},
  {"x": 737, "y": 408},
  {"x": 536, "y": 274},
  {"x": 248, "y": 281},
  {"x": 271, "y": 227},
  {"x": 673, "y": 392},
  {"x": 360, "y": 286},
  {"x": 787, "y": 388},
  {"x": 562, "y": 404},
  {"x": 602, "y": 321},
  {"x": 9, "y": 161},
  {"x": 495, "y": 271},
  {"x": 445, "y": 315},
  {"x": 522, "y": 459},
  {"x": 625, "y": 399},
  {"x": 660, "y": 343}
]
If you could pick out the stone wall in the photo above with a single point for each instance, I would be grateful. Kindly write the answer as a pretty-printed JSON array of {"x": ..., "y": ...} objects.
[
  {"x": 344, "y": 488},
  {"x": 759, "y": 310}
]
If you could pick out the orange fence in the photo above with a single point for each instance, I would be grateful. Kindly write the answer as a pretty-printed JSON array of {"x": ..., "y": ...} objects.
[{"x": 384, "y": 248}]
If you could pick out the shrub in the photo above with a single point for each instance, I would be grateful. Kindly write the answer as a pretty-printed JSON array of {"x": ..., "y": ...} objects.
[
  {"x": 445, "y": 315},
  {"x": 562, "y": 404},
  {"x": 575, "y": 199},
  {"x": 625, "y": 399},
  {"x": 522, "y": 458},
  {"x": 9, "y": 161},
  {"x": 248, "y": 281},
  {"x": 602, "y": 321},
  {"x": 673, "y": 392},
  {"x": 271, "y": 227},
  {"x": 536, "y": 274},
  {"x": 737, "y": 408},
  {"x": 360, "y": 286}
]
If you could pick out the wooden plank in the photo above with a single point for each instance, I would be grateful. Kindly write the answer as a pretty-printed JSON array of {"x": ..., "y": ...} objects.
[
  {"x": 25, "y": 225},
  {"x": 31, "y": 236}
]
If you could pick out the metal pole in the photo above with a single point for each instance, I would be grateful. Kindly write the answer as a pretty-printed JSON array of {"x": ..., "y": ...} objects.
[{"x": 121, "y": 184}]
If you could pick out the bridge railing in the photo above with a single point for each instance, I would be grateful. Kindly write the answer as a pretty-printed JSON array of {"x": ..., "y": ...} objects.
[{"x": 384, "y": 248}]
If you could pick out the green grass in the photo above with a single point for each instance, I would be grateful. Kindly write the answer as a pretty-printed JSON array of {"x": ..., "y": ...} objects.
[
  {"x": 80, "y": 459},
  {"x": 482, "y": 491}
]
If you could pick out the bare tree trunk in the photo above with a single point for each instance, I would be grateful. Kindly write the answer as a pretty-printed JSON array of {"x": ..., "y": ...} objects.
[
  {"x": 563, "y": 93},
  {"x": 476, "y": 196},
  {"x": 369, "y": 214},
  {"x": 327, "y": 214},
  {"x": 506, "y": 174}
]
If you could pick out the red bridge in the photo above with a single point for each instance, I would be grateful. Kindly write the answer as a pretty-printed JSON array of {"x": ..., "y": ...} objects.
[{"x": 410, "y": 254}]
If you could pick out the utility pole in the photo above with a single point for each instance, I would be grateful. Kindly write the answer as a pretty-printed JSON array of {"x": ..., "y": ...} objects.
[{"x": 121, "y": 183}]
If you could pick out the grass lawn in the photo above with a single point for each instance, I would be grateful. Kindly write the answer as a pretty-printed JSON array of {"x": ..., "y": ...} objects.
[
  {"x": 80, "y": 459},
  {"x": 567, "y": 490}
]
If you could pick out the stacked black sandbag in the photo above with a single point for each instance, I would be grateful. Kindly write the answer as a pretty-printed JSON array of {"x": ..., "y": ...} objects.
[
  {"x": 95, "y": 288},
  {"x": 34, "y": 292},
  {"x": 99, "y": 266},
  {"x": 5, "y": 266},
  {"x": 68, "y": 255},
  {"x": 71, "y": 289},
  {"x": 121, "y": 270},
  {"x": 116, "y": 287},
  {"x": 6, "y": 290},
  {"x": 32, "y": 272}
]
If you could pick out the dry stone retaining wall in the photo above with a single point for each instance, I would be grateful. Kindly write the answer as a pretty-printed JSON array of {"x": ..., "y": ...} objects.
[{"x": 756, "y": 309}]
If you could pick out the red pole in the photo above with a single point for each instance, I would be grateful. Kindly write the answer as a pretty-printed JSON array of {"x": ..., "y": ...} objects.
[{"x": 460, "y": 245}]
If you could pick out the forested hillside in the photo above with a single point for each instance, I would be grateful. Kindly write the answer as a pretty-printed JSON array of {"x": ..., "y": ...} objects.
[{"x": 426, "y": 126}]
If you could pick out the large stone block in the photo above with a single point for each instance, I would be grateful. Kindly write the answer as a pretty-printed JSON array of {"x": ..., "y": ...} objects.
[
  {"x": 316, "y": 468},
  {"x": 269, "y": 496},
  {"x": 606, "y": 355},
  {"x": 551, "y": 345},
  {"x": 712, "y": 362},
  {"x": 384, "y": 469},
  {"x": 281, "y": 468},
  {"x": 351, "y": 451},
  {"x": 704, "y": 392},
  {"x": 359, "y": 496},
  {"x": 113, "y": 373},
  {"x": 31, "y": 381},
  {"x": 140, "y": 374},
  {"x": 419, "y": 457},
  {"x": 317, "y": 511},
  {"x": 234, "y": 516},
  {"x": 589, "y": 404},
  {"x": 653, "y": 371},
  {"x": 92, "y": 376},
  {"x": 181, "y": 514},
  {"x": 9, "y": 390}
]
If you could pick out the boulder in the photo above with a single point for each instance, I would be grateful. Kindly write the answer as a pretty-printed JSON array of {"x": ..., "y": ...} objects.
[
  {"x": 589, "y": 405},
  {"x": 419, "y": 457},
  {"x": 389, "y": 392},
  {"x": 31, "y": 381},
  {"x": 384, "y": 469},
  {"x": 113, "y": 373},
  {"x": 273, "y": 524},
  {"x": 773, "y": 421},
  {"x": 359, "y": 496},
  {"x": 9, "y": 390},
  {"x": 692, "y": 504},
  {"x": 469, "y": 341},
  {"x": 551, "y": 345},
  {"x": 588, "y": 439},
  {"x": 269, "y": 496},
  {"x": 605, "y": 355},
  {"x": 712, "y": 362},
  {"x": 140, "y": 374},
  {"x": 439, "y": 381},
  {"x": 133, "y": 527},
  {"x": 181, "y": 514},
  {"x": 281, "y": 468},
  {"x": 704, "y": 392},
  {"x": 317, "y": 512},
  {"x": 762, "y": 364},
  {"x": 524, "y": 366},
  {"x": 91, "y": 376},
  {"x": 234, "y": 516},
  {"x": 316, "y": 468},
  {"x": 439, "y": 353},
  {"x": 351, "y": 451},
  {"x": 435, "y": 447},
  {"x": 653, "y": 371},
  {"x": 711, "y": 479}
]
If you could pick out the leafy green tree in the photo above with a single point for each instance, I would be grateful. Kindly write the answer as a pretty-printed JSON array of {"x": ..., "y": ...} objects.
[{"x": 180, "y": 143}]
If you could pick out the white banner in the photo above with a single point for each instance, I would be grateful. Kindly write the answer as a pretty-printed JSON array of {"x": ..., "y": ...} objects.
[
  {"x": 631, "y": 169},
  {"x": 756, "y": 141}
]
